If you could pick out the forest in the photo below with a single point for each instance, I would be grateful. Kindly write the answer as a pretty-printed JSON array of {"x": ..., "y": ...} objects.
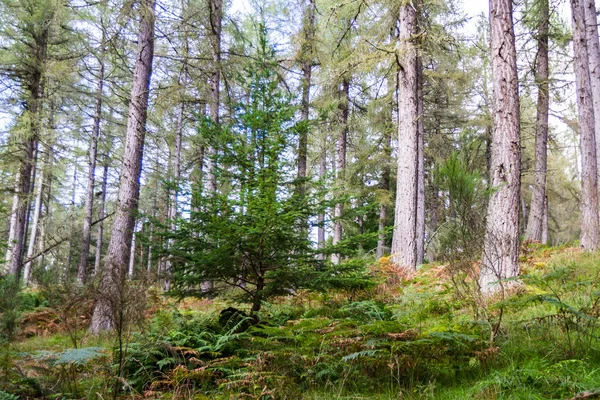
[{"x": 304, "y": 199}]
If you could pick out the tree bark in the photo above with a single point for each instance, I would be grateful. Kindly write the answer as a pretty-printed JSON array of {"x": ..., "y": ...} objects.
[
  {"x": 538, "y": 196},
  {"x": 420, "y": 221},
  {"x": 340, "y": 151},
  {"x": 501, "y": 243},
  {"x": 321, "y": 215},
  {"x": 72, "y": 215},
  {"x": 404, "y": 246},
  {"x": 37, "y": 209},
  {"x": 86, "y": 232},
  {"x": 101, "y": 212},
  {"x": 129, "y": 186},
  {"x": 585, "y": 109},
  {"x": 215, "y": 8},
  {"x": 306, "y": 59},
  {"x": 386, "y": 171},
  {"x": 593, "y": 47}
]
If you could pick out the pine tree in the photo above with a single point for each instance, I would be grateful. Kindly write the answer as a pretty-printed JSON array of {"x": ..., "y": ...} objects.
[
  {"x": 123, "y": 225},
  {"x": 500, "y": 258}
]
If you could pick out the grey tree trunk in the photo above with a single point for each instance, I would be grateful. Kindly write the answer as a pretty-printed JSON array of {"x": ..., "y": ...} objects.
[
  {"x": 101, "y": 212},
  {"x": 340, "y": 153},
  {"x": 72, "y": 214},
  {"x": 593, "y": 48},
  {"x": 545, "y": 223},
  {"x": 37, "y": 209},
  {"x": 86, "y": 232},
  {"x": 538, "y": 196},
  {"x": 113, "y": 275},
  {"x": 392, "y": 86},
  {"x": 500, "y": 258},
  {"x": 585, "y": 110},
  {"x": 404, "y": 246}
]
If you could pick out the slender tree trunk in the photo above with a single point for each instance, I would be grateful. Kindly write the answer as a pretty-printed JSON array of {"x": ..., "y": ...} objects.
[
  {"x": 386, "y": 170},
  {"x": 72, "y": 216},
  {"x": 131, "y": 268},
  {"x": 46, "y": 205},
  {"x": 176, "y": 159},
  {"x": 129, "y": 190},
  {"x": 340, "y": 151},
  {"x": 37, "y": 209},
  {"x": 585, "y": 107},
  {"x": 215, "y": 19},
  {"x": 501, "y": 243},
  {"x": 593, "y": 48},
  {"x": 24, "y": 186},
  {"x": 101, "y": 212},
  {"x": 538, "y": 196},
  {"x": 321, "y": 215},
  {"x": 404, "y": 246},
  {"x": 13, "y": 222},
  {"x": 89, "y": 195},
  {"x": 420, "y": 221},
  {"x": 306, "y": 58},
  {"x": 545, "y": 222}
]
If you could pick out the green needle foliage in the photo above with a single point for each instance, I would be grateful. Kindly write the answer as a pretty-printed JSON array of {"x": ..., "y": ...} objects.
[{"x": 250, "y": 234}]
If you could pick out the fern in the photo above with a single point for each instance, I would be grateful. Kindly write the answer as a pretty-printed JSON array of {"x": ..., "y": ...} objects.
[
  {"x": 360, "y": 354},
  {"x": 8, "y": 396}
]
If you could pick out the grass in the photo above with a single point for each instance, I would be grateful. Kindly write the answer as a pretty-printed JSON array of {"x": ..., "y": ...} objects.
[{"x": 428, "y": 338}]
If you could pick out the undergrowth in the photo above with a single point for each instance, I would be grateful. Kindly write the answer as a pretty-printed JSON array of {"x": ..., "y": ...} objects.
[{"x": 425, "y": 338}]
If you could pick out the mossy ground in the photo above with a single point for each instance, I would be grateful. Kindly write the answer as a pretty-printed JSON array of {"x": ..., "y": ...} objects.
[{"x": 429, "y": 337}]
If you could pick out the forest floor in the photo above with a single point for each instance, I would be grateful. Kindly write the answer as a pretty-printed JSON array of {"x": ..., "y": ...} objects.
[{"x": 429, "y": 337}]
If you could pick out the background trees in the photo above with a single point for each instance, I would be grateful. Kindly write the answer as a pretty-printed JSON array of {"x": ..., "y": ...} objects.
[{"x": 353, "y": 74}]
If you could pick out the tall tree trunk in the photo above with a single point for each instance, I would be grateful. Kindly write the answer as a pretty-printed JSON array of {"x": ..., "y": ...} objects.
[
  {"x": 585, "y": 108},
  {"x": 131, "y": 268},
  {"x": 538, "y": 196},
  {"x": 306, "y": 58},
  {"x": 71, "y": 216},
  {"x": 420, "y": 221},
  {"x": 176, "y": 155},
  {"x": 392, "y": 85},
  {"x": 101, "y": 212},
  {"x": 501, "y": 243},
  {"x": 129, "y": 187},
  {"x": 545, "y": 222},
  {"x": 321, "y": 215},
  {"x": 37, "y": 209},
  {"x": 340, "y": 152},
  {"x": 593, "y": 48},
  {"x": 24, "y": 184},
  {"x": 86, "y": 232},
  {"x": 404, "y": 246},
  {"x": 215, "y": 8}
]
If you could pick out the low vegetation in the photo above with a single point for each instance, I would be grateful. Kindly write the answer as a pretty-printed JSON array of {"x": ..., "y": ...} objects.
[{"x": 426, "y": 337}]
